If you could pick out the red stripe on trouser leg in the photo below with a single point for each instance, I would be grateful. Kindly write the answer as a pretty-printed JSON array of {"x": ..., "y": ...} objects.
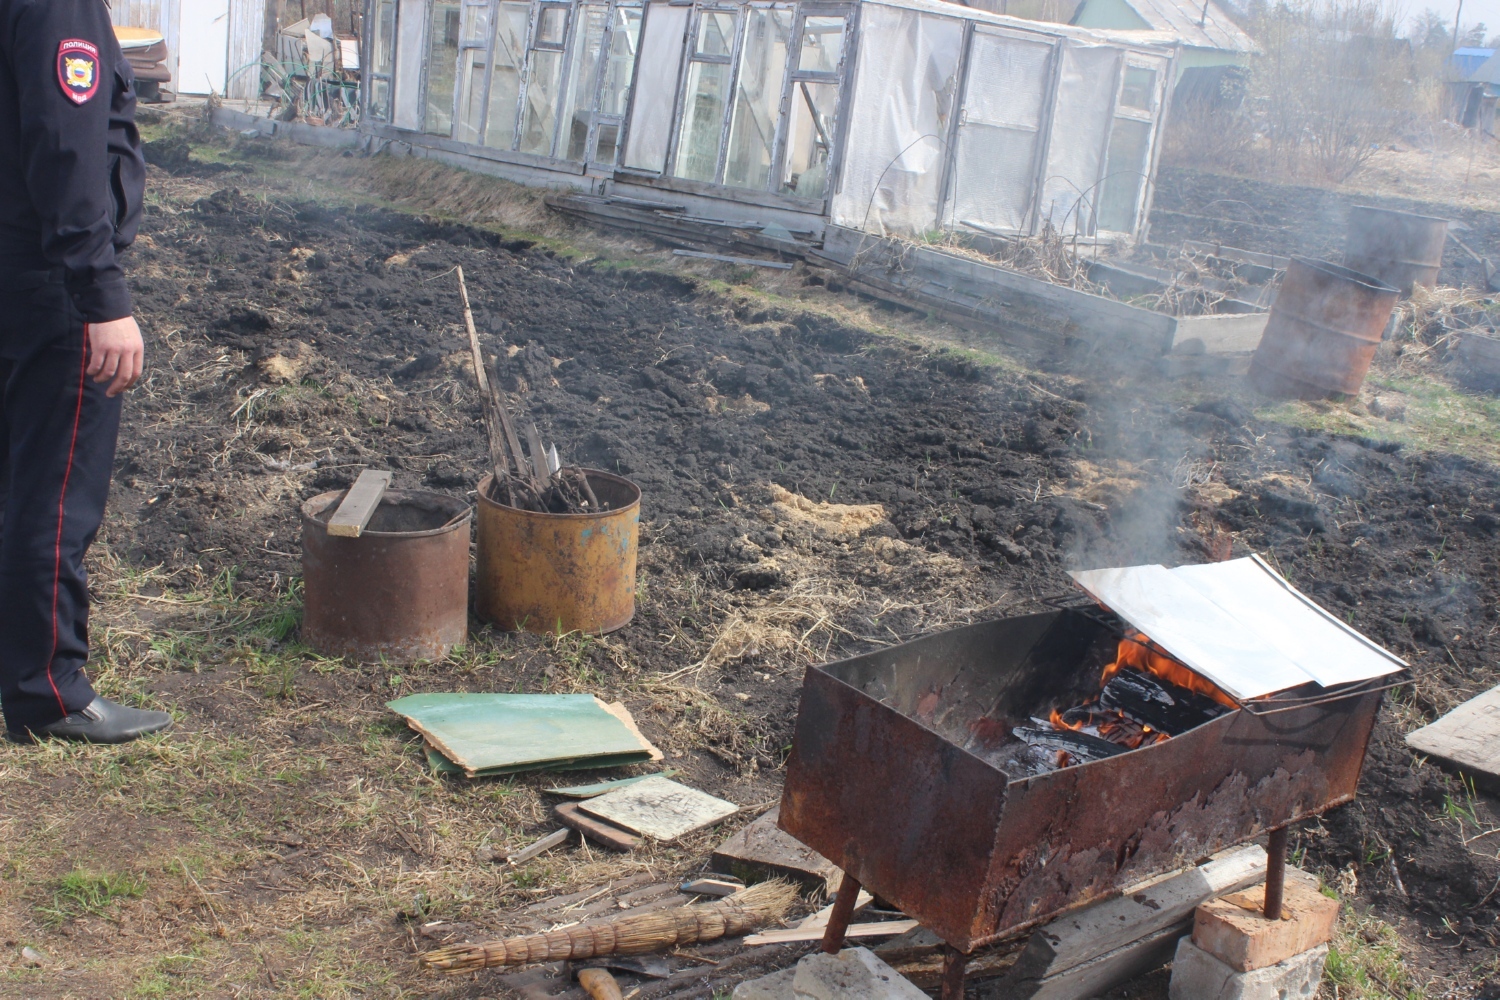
[{"x": 62, "y": 499}]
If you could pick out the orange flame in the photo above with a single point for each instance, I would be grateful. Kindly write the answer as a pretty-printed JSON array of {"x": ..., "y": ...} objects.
[{"x": 1135, "y": 651}]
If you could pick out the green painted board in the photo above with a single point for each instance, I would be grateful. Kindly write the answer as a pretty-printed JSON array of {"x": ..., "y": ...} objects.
[
  {"x": 442, "y": 765},
  {"x": 600, "y": 787},
  {"x": 505, "y": 733}
]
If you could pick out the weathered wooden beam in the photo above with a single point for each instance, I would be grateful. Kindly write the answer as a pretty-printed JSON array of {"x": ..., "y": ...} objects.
[
  {"x": 1467, "y": 739},
  {"x": 359, "y": 504}
]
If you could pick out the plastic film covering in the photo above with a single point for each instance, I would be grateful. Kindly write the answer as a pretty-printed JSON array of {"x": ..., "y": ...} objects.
[
  {"x": 1082, "y": 118},
  {"x": 412, "y": 22},
  {"x": 656, "y": 87},
  {"x": 995, "y": 175},
  {"x": 903, "y": 99},
  {"x": 509, "y": 54}
]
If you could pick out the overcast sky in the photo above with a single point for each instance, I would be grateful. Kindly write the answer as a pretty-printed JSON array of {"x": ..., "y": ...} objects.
[{"x": 1475, "y": 11}]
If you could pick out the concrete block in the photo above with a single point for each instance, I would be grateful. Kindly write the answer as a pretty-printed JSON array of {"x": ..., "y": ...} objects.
[
  {"x": 1197, "y": 975},
  {"x": 1234, "y": 930},
  {"x": 853, "y": 972},
  {"x": 776, "y": 986}
]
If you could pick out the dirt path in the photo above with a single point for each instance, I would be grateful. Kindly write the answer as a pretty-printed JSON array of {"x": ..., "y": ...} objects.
[{"x": 286, "y": 838}]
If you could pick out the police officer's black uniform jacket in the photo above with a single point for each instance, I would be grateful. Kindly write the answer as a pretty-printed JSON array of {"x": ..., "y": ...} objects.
[
  {"x": 71, "y": 186},
  {"x": 70, "y": 164}
]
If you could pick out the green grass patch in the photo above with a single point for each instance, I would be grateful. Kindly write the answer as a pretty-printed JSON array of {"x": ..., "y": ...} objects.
[
  {"x": 1437, "y": 417},
  {"x": 1365, "y": 961},
  {"x": 88, "y": 893}
]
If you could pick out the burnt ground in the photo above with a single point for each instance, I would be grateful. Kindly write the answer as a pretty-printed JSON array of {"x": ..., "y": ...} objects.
[
  {"x": 285, "y": 836},
  {"x": 1305, "y": 220}
]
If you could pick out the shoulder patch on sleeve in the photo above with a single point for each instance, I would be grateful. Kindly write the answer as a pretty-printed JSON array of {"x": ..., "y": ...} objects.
[{"x": 78, "y": 69}]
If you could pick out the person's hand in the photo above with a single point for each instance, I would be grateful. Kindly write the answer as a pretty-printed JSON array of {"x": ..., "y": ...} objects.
[{"x": 116, "y": 354}]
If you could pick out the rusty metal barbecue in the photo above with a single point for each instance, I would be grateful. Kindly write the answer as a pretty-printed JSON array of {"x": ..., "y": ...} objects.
[{"x": 888, "y": 778}]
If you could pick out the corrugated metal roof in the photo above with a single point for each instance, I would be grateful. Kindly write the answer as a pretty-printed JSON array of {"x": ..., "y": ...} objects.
[{"x": 1200, "y": 23}]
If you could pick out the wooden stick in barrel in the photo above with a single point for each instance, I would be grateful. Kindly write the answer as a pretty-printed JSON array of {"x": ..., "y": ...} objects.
[{"x": 496, "y": 425}]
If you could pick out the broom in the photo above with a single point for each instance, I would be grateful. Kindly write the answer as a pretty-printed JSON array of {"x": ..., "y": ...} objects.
[{"x": 740, "y": 913}]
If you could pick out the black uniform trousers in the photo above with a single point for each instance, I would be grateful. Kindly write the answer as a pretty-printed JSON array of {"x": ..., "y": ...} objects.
[{"x": 57, "y": 444}]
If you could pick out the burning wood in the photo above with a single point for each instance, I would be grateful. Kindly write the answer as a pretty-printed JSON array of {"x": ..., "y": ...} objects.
[
  {"x": 528, "y": 480},
  {"x": 1145, "y": 697}
]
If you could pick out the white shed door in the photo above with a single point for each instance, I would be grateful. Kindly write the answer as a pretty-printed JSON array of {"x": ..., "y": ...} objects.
[
  {"x": 994, "y": 177},
  {"x": 203, "y": 64}
]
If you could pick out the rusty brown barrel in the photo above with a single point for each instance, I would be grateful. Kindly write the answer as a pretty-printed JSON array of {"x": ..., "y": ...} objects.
[
  {"x": 400, "y": 591},
  {"x": 1323, "y": 330},
  {"x": 1398, "y": 248},
  {"x": 560, "y": 572}
]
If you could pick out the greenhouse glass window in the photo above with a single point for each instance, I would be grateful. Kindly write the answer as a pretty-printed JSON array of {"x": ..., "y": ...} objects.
[
  {"x": 1128, "y": 160},
  {"x": 382, "y": 46},
  {"x": 442, "y": 67},
  {"x": 508, "y": 54}
]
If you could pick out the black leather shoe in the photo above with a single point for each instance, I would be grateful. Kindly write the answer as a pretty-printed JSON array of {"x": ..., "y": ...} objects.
[{"x": 104, "y": 721}]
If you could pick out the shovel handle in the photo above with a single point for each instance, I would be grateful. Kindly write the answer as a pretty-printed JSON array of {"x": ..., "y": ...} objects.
[{"x": 599, "y": 984}]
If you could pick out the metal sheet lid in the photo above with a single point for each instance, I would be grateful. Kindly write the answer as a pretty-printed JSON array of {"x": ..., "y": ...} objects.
[{"x": 1240, "y": 624}]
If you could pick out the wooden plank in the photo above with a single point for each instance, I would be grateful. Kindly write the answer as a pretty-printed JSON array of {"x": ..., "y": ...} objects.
[
  {"x": 359, "y": 504},
  {"x": 1094, "y": 316},
  {"x": 1180, "y": 365},
  {"x": 1467, "y": 738},
  {"x": 1219, "y": 334},
  {"x": 762, "y": 850},
  {"x": 711, "y": 887},
  {"x": 548, "y": 842},
  {"x": 819, "y": 920},
  {"x": 726, "y": 259},
  {"x": 1101, "y": 974},
  {"x": 1123, "y": 280},
  {"x": 493, "y": 410},
  {"x": 597, "y": 830},
  {"x": 1116, "y": 926},
  {"x": 792, "y": 934}
]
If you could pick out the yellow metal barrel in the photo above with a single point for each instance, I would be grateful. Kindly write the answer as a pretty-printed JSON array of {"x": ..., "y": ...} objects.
[{"x": 560, "y": 572}]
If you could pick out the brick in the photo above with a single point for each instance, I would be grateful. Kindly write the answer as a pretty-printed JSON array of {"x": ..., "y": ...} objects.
[
  {"x": 1197, "y": 975},
  {"x": 1234, "y": 930}
]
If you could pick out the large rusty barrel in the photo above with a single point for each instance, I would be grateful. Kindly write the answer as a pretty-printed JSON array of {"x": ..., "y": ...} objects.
[
  {"x": 1323, "y": 330},
  {"x": 400, "y": 591},
  {"x": 560, "y": 572},
  {"x": 1398, "y": 248}
]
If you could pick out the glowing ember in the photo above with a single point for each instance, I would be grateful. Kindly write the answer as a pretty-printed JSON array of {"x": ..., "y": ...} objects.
[
  {"x": 1145, "y": 697},
  {"x": 1135, "y": 651}
]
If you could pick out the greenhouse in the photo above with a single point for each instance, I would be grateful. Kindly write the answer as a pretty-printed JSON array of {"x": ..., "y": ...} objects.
[{"x": 892, "y": 117}]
